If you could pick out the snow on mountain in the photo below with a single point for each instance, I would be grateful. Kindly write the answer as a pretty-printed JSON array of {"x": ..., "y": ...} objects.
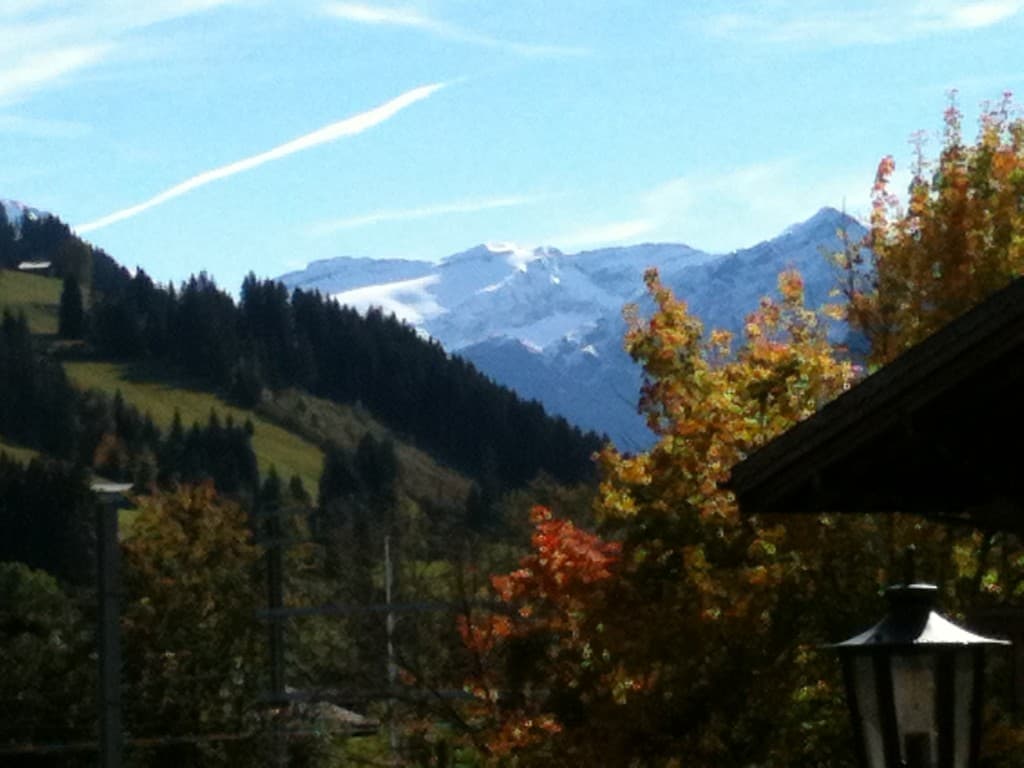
[
  {"x": 17, "y": 211},
  {"x": 549, "y": 324},
  {"x": 409, "y": 300},
  {"x": 345, "y": 273}
]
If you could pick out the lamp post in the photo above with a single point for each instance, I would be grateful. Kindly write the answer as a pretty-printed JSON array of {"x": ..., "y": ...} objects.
[
  {"x": 108, "y": 582},
  {"x": 914, "y": 685}
]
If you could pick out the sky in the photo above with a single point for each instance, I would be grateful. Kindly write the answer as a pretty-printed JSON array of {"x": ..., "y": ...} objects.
[{"x": 258, "y": 135}]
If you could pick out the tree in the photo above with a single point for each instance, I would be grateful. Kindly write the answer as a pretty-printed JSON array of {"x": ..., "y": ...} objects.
[
  {"x": 74, "y": 257},
  {"x": 8, "y": 245},
  {"x": 684, "y": 633},
  {"x": 47, "y": 690},
  {"x": 71, "y": 317},
  {"x": 960, "y": 237},
  {"x": 193, "y": 650},
  {"x": 650, "y": 642},
  {"x": 46, "y": 518}
]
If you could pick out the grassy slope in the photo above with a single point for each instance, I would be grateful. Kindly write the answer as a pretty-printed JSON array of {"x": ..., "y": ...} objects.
[
  {"x": 321, "y": 420},
  {"x": 38, "y": 297},
  {"x": 289, "y": 429},
  {"x": 274, "y": 446},
  {"x": 16, "y": 452}
]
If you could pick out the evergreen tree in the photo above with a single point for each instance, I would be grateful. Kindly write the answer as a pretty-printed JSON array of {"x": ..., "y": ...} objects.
[
  {"x": 298, "y": 493},
  {"x": 8, "y": 255},
  {"x": 74, "y": 257},
  {"x": 71, "y": 317}
]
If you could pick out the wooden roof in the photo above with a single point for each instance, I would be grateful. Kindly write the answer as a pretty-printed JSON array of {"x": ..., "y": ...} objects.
[{"x": 937, "y": 432}]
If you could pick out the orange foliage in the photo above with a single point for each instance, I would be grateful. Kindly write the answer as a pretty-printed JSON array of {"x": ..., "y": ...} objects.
[
  {"x": 959, "y": 238},
  {"x": 616, "y": 641},
  {"x": 683, "y": 632}
]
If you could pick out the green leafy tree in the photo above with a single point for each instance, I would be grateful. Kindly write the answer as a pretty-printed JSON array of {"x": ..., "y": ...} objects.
[
  {"x": 47, "y": 689},
  {"x": 194, "y": 651}
]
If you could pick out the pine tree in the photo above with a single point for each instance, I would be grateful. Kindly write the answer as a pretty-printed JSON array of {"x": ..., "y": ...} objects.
[{"x": 71, "y": 318}]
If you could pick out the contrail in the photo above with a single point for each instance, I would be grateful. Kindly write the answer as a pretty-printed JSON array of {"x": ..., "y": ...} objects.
[{"x": 350, "y": 126}]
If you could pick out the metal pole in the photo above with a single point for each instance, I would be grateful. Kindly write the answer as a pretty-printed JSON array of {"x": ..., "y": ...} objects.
[
  {"x": 275, "y": 600},
  {"x": 392, "y": 665},
  {"x": 108, "y": 583}
]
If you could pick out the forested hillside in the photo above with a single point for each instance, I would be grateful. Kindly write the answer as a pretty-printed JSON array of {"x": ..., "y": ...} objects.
[
  {"x": 277, "y": 423},
  {"x": 270, "y": 340}
]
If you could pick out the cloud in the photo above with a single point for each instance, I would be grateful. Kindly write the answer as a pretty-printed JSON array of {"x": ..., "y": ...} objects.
[
  {"x": 975, "y": 15},
  {"x": 369, "y": 14},
  {"x": 868, "y": 23},
  {"x": 704, "y": 209},
  {"x": 32, "y": 70},
  {"x": 423, "y": 212},
  {"x": 362, "y": 13},
  {"x": 604, "y": 234},
  {"x": 348, "y": 127},
  {"x": 45, "y": 42}
]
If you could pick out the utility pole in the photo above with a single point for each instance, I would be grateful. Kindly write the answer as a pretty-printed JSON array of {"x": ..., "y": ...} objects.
[
  {"x": 392, "y": 665},
  {"x": 108, "y": 588}
]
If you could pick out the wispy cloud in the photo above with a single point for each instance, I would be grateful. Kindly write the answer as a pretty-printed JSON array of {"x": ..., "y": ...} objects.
[
  {"x": 46, "y": 42},
  {"x": 33, "y": 69},
  {"x": 608, "y": 233},
  {"x": 422, "y": 212},
  {"x": 702, "y": 209},
  {"x": 870, "y": 22},
  {"x": 362, "y": 13},
  {"x": 348, "y": 127}
]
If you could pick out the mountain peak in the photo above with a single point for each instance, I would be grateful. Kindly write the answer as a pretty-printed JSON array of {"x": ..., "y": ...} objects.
[
  {"x": 517, "y": 256},
  {"x": 824, "y": 223}
]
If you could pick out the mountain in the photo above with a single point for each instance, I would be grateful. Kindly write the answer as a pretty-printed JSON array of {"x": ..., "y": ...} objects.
[
  {"x": 548, "y": 324},
  {"x": 16, "y": 211}
]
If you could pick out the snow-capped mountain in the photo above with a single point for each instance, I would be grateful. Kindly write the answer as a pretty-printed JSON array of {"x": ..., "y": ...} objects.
[{"x": 549, "y": 325}]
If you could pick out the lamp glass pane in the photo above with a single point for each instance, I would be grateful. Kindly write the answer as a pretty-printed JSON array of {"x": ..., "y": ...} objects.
[
  {"x": 866, "y": 692},
  {"x": 913, "y": 683},
  {"x": 963, "y": 692}
]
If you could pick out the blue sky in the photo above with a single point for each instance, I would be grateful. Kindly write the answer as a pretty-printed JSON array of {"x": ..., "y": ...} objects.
[{"x": 237, "y": 135}]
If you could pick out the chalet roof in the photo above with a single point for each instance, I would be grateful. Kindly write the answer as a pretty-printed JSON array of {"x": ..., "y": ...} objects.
[{"x": 936, "y": 432}]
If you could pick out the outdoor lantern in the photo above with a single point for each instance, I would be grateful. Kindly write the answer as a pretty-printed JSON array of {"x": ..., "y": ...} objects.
[{"x": 914, "y": 683}]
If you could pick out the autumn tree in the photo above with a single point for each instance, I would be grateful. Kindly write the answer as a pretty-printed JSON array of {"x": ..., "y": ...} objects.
[
  {"x": 660, "y": 639},
  {"x": 684, "y": 633},
  {"x": 958, "y": 237},
  {"x": 194, "y": 651}
]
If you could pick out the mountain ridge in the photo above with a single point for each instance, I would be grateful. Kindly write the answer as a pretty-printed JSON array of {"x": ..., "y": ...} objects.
[{"x": 548, "y": 323}]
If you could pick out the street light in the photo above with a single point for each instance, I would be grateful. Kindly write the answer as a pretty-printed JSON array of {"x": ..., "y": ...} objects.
[
  {"x": 108, "y": 582},
  {"x": 914, "y": 684}
]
